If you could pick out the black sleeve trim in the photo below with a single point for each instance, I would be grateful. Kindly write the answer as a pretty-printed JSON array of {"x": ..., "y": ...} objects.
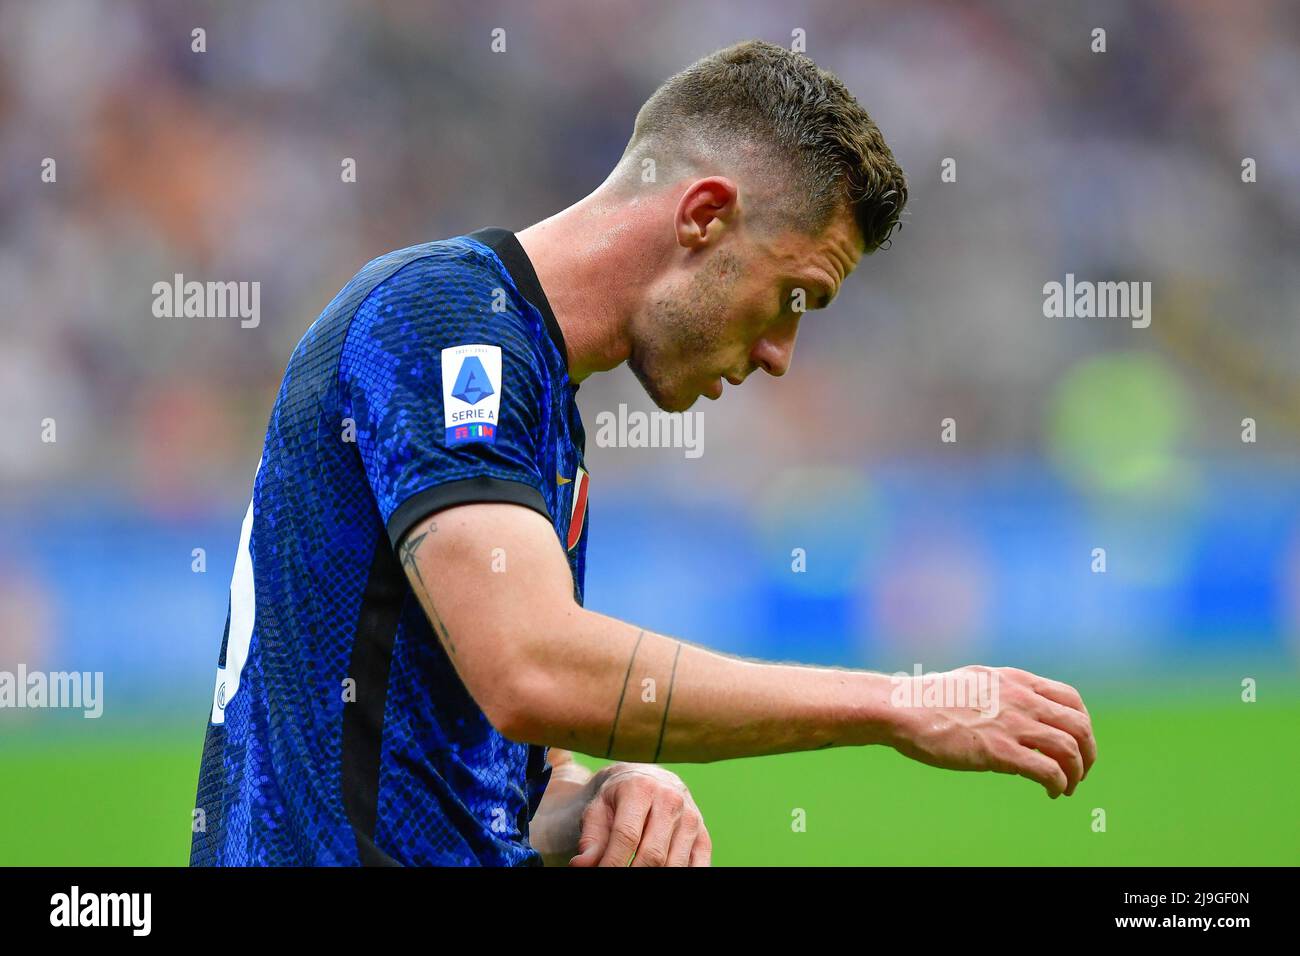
[{"x": 466, "y": 491}]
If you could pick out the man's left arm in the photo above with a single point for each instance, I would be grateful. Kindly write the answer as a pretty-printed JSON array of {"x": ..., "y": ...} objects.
[{"x": 622, "y": 811}]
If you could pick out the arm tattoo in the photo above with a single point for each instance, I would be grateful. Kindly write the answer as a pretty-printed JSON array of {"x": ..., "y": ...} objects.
[
  {"x": 672, "y": 682},
  {"x": 610, "y": 749},
  {"x": 408, "y": 550}
]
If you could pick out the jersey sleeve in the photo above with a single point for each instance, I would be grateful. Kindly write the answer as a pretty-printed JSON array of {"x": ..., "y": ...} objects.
[{"x": 450, "y": 397}]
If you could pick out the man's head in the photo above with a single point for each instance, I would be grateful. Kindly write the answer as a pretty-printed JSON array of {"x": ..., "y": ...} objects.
[{"x": 777, "y": 182}]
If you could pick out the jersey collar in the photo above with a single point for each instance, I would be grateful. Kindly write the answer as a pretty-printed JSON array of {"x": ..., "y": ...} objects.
[{"x": 515, "y": 259}]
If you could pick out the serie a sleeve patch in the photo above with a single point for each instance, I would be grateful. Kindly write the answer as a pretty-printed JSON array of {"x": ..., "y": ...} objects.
[{"x": 471, "y": 393}]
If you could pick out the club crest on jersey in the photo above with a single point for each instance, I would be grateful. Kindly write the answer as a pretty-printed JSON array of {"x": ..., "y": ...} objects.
[
  {"x": 471, "y": 393},
  {"x": 578, "y": 510}
]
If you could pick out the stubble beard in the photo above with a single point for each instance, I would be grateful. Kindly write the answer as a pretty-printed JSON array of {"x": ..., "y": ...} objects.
[{"x": 681, "y": 333}]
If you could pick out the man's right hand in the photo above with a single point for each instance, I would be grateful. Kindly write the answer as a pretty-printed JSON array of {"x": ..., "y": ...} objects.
[
  {"x": 1040, "y": 728},
  {"x": 546, "y": 671}
]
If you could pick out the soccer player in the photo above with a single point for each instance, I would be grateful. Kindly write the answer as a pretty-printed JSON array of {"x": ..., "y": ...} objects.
[{"x": 406, "y": 635}]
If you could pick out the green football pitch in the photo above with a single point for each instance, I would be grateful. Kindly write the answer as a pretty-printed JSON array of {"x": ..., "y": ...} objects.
[{"x": 1183, "y": 778}]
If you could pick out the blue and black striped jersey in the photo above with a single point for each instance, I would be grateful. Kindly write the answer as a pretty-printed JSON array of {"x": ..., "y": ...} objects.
[{"x": 339, "y": 731}]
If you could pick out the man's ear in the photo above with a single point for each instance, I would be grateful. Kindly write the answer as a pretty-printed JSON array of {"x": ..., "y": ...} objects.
[{"x": 706, "y": 209}]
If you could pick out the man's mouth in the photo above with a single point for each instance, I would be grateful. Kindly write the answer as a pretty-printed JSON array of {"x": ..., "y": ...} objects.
[{"x": 714, "y": 389}]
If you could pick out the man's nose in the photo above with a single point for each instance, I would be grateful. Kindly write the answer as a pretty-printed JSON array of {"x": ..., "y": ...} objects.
[{"x": 775, "y": 350}]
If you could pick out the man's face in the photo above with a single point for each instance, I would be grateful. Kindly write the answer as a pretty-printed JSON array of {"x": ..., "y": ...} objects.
[{"x": 734, "y": 308}]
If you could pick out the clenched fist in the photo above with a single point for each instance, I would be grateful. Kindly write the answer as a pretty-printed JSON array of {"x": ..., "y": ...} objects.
[
  {"x": 641, "y": 815},
  {"x": 1039, "y": 728}
]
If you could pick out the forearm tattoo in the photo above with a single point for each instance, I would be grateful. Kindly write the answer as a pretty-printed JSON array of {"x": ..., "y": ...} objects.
[{"x": 628, "y": 680}]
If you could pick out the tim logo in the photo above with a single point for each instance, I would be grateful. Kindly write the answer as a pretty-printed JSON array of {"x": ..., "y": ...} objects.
[{"x": 471, "y": 393}]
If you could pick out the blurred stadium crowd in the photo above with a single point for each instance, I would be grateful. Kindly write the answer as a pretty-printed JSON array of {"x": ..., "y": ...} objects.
[{"x": 1072, "y": 434}]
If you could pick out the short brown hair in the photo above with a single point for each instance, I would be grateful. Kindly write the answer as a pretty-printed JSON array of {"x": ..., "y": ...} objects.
[{"x": 803, "y": 116}]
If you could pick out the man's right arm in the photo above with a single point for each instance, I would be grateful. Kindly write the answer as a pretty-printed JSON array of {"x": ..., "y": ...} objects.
[{"x": 545, "y": 670}]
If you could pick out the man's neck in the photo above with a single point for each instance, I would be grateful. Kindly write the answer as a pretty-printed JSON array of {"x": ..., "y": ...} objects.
[{"x": 591, "y": 262}]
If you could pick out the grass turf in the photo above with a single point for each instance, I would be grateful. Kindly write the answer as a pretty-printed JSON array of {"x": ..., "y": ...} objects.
[{"x": 1188, "y": 780}]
